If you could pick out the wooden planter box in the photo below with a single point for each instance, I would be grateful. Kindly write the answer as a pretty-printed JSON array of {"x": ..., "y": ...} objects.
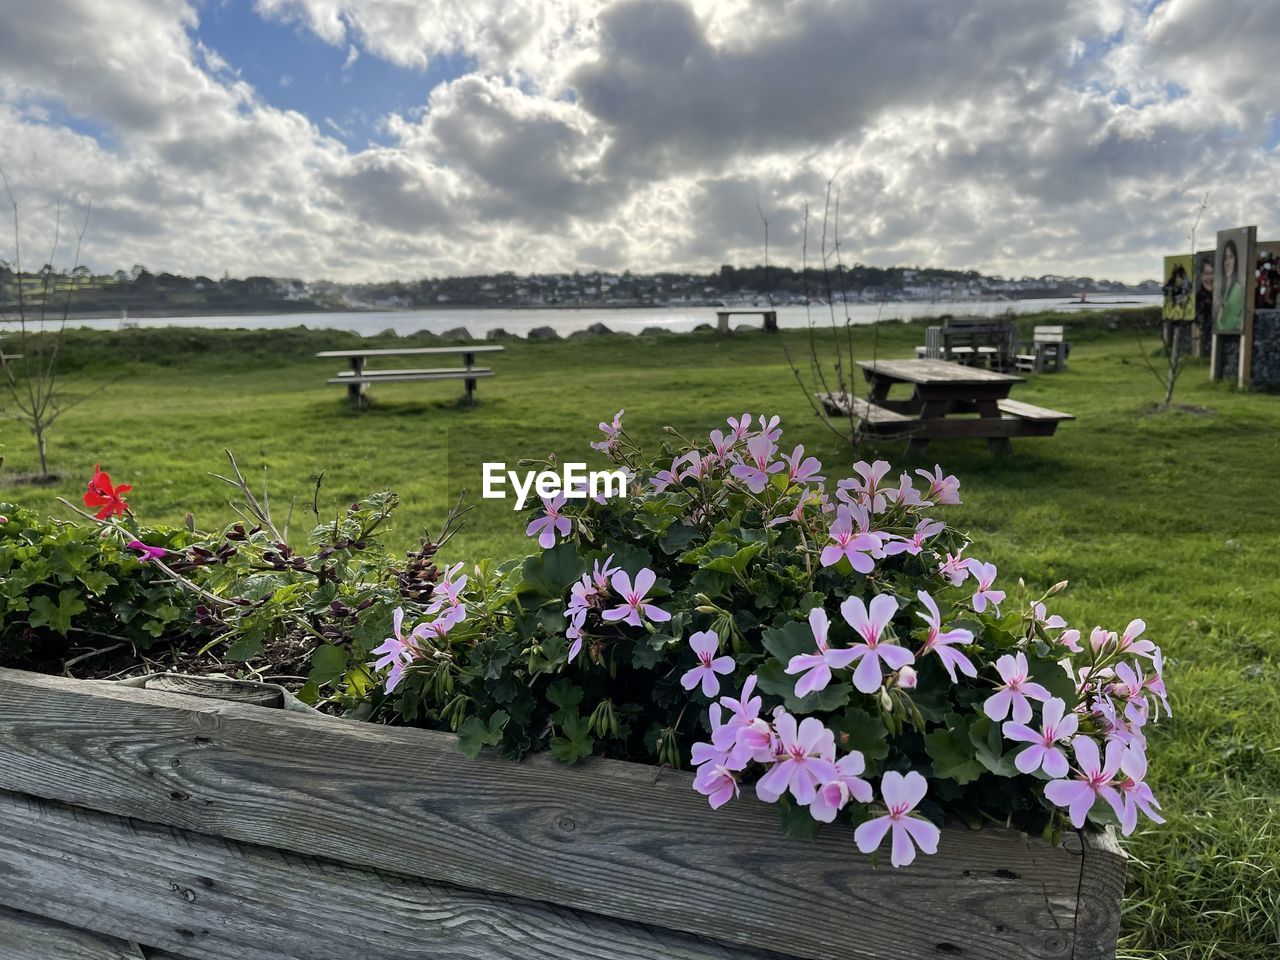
[{"x": 200, "y": 829}]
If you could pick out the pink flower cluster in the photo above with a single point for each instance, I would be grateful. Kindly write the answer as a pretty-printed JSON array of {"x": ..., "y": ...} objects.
[
  {"x": 862, "y": 498},
  {"x": 402, "y": 650},
  {"x": 801, "y": 761},
  {"x": 606, "y": 583}
]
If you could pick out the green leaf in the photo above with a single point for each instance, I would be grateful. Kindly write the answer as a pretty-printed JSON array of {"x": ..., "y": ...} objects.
[
  {"x": 328, "y": 664},
  {"x": 790, "y": 640},
  {"x": 576, "y": 743},
  {"x": 952, "y": 754},
  {"x": 551, "y": 572},
  {"x": 566, "y": 697},
  {"x": 865, "y": 732},
  {"x": 988, "y": 745},
  {"x": 57, "y": 616},
  {"x": 474, "y": 734},
  {"x": 772, "y": 680},
  {"x": 1051, "y": 674},
  {"x": 798, "y": 822},
  {"x": 246, "y": 647},
  {"x": 736, "y": 563},
  {"x": 96, "y": 581}
]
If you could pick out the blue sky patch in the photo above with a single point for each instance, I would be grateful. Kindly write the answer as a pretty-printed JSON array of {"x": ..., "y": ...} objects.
[{"x": 292, "y": 69}]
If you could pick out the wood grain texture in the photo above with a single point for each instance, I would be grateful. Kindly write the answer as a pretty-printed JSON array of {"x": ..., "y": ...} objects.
[
  {"x": 215, "y": 899},
  {"x": 606, "y": 837},
  {"x": 25, "y": 936},
  {"x": 1102, "y": 879}
]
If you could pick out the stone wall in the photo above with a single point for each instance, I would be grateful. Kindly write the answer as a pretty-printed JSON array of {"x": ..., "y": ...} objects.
[{"x": 1265, "y": 365}]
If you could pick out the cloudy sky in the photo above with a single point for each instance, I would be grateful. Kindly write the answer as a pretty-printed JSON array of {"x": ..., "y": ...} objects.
[{"x": 380, "y": 138}]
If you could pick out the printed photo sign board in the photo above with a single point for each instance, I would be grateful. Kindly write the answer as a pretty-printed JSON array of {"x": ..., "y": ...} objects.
[
  {"x": 1233, "y": 295},
  {"x": 1179, "y": 288}
]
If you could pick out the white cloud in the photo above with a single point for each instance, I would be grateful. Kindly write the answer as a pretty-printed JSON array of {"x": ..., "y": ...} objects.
[{"x": 987, "y": 133}]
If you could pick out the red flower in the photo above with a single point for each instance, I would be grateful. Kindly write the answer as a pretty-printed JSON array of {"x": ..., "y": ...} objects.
[{"x": 102, "y": 494}]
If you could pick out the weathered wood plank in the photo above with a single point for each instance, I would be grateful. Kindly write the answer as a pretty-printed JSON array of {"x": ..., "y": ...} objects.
[
  {"x": 215, "y": 899},
  {"x": 841, "y": 404},
  {"x": 933, "y": 371},
  {"x": 25, "y": 936},
  {"x": 218, "y": 689},
  {"x": 605, "y": 837},
  {"x": 1029, "y": 410},
  {"x": 412, "y": 351},
  {"x": 1102, "y": 877}
]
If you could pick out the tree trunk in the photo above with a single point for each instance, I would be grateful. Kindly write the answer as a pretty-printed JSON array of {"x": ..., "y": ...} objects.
[
  {"x": 41, "y": 449},
  {"x": 1173, "y": 369}
]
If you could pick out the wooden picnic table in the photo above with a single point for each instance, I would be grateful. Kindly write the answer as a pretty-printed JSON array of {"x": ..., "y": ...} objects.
[
  {"x": 943, "y": 397},
  {"x": 358, "y": 378}
]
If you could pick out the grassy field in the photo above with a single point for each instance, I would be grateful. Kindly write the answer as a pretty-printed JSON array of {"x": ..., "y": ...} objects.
[{"x": 1172, "y": 517}]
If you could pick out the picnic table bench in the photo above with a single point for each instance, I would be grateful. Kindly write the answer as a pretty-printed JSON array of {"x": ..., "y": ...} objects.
[
  {"x": 943, "y": 395},
  {"x": 359, "y": 377},
  {"x": 770, "y": 319},
  {"x": 1046, "y": 350},
  {"x": 976, "y": 341}
]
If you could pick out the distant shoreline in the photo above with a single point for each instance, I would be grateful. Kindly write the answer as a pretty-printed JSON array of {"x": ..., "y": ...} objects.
[{"x": 177, "y": 312}]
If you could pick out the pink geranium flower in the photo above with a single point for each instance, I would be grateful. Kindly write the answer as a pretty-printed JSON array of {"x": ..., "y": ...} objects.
[
  {"x": 1135, "y": 795},
  {"x": 400, "y": 650},
  {"x": 1155, "y": 682},
  {"x": 746, "y": 734},
  {"x": 1015, "y": 690},
  {"x": 1044, "y": 753},
  {"x": 1095, "y": 779},
  {"x": 859, "y": 548},
  {"x": 666, "y": 478},
  {"x": 865, "y": 488},
  {"x": 985, "y": 574},
  {"x": 1040, "y": 614},
  {"x": 146, "y": 552},
  {"x": 740, "y": 427},
  {"x": 754, "y": 471},
  {"x": 941, "y": 489},
  {"x": 870, "y": 626},
  {"x": 832, "y": 797},
  {"x": 448, "y": 592},
  {"x": 940, "y": 643},
  {"x": 634, "y": 610},
  {"x": 1130, "y": 643},
  {"x": 772, "y": 430},
  {"x": 612, "y": 432},
  {"x": 1071, "y": 640},
  {"x": 705, "y": 644},
  {"x": 901, "y": 795},
  {"x": 805, "y": 760},
  {"x": 802, "y": 469},
  {"x": 550, "y": 523},
  {"x": 906, "y": 495},
  {"x": 716, "y": 782},
  {"x": 924, "y": 530},
  {"x": 817, "y": 667},
  {"x": 721, "y": 445},
  {"x": 955, "y": 568}
]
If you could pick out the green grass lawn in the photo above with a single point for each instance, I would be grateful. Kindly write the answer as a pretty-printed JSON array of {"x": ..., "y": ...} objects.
[{"x": 1172, "y": 517}]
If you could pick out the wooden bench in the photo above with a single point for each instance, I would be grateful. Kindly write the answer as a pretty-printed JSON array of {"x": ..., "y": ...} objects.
[
  {"x": 359, "y": 377},
  {"x": 879, "y": 419},
  {"x": 770, "y": 319},
  {"x": 979, "y": 342},
  {"x": 932, "y": 349},
  {"x": 1046, "y": 350}
]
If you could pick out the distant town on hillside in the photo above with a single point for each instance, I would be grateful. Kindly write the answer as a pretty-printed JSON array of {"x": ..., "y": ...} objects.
[{"x": 141, "y": 292}]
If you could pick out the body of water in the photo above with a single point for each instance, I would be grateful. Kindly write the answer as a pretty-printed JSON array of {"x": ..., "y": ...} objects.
[{"x": 479, "y": 322}]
